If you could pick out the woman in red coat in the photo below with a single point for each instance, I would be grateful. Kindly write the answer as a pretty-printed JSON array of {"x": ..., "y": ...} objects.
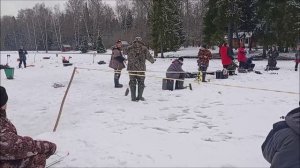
[
  {"x": 242, "y": 57},
  {"x": 226, "y": 58}
]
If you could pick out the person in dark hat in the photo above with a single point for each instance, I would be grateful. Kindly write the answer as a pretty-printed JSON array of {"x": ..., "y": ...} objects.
[
  {"x": 175, "y": 71},
  {"x": 22, "y": 57},
  {"x": 17, "y": 151},
  {"x": 3, "y": 101}
]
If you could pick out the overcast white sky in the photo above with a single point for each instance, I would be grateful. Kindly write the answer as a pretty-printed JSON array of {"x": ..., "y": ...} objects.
[{"x": 11, "y": 7}]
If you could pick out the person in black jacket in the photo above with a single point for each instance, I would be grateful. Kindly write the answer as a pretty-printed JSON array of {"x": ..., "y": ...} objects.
[
  {"x": 22, "y": 57},
  {"x": 282, "y": 146}
]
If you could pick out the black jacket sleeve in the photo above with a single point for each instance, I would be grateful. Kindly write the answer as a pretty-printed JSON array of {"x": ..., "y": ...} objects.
[
  {"x": 230, "y": 53},
  {"x": 120, "y": 58}
]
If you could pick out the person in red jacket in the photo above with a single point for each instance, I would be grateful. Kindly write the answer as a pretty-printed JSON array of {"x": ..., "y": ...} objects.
[
  {"x": 242, "y": 57},
  {"x": 20, "y": 151},
  {"x": 227, "y": 58}
]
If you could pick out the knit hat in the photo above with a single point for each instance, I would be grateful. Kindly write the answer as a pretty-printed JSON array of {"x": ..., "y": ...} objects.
[
  {"x": 180, "y": 59},
  {"x": 138, "y": 39},
  {"x": 3, "y": 96}
]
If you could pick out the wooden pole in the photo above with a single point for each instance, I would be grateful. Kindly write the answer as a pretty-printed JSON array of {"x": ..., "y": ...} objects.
[{"x": 63, "y": 101}]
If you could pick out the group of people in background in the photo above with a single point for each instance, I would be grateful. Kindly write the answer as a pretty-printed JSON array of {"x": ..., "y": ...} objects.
[
  {"x": 281, "y": 147},
  {"x": 138, "y": 54}
]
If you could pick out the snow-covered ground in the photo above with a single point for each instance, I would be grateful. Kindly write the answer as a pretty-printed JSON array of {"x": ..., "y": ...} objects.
[{"x": 210, "y": 126}]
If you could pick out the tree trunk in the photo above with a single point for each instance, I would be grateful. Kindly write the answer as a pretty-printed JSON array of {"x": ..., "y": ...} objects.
[
  {"x": 237, "y": 35},
  {"x": 60, "y": 36},
  {"x": 161, "y": 50},
  {"x": 34, "y": 34},
  {"x": 55, "y": 31},
  {"x": 46, "y": 34},
  {"x": 265, "y": 48},
  {"x": 230, "y": 34},
  {"x": 250, "y": 43},
  {"x": 29, "y": 36}
]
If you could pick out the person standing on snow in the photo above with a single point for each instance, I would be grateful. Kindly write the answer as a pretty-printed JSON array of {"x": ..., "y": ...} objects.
[
  {"x": 281, "y": 147},
  {"x": 17, "y": 151},
  {"x": 117, "y": 63},
  {"x": 204, "y": 55},
  {"x": 227, "y": 58},
  {"x": 272, "y": 62},
  {"x": 137, "y": 54},
  {"x": 22, "y": 57},
  {"x": 175, "y": 71}
]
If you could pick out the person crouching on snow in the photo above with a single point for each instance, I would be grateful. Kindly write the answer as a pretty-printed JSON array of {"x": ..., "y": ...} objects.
[
  {"x": 175, "y": 71},
  {"x": 17, "y": 151},
  {"x": 117, "y": 62},
  {"x": 65, "y": 60}
]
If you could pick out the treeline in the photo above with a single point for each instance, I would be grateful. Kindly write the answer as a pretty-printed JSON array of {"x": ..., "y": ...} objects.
[
  {"x": 271, "y": 22},
  {"x": 164, "y": 25},
  {"x": 83, "y": 22}
]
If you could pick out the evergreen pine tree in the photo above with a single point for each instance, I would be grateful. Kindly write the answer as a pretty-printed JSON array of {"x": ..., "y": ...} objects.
[
  {"x": 84, "y": 46},
  {"x": 157, "y": 26},
  {"x": 100, "y": 46},
  {"x": 167, "y": 27}
]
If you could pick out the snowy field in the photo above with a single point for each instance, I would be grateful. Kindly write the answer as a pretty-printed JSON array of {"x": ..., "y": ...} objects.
[{"x": 210, "y": 126}]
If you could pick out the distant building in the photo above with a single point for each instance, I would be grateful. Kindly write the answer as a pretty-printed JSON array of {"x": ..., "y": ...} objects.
[
  {"x": 66, "y": 47},
  {"x": 244, "y": 38}
]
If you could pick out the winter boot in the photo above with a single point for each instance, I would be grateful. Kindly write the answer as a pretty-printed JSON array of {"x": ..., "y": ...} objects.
[
  {"x": 203, "y": 76},
  {"x": 140, "y": 93},
  {"x": 133, "y": 93},
  {"x": 116, "y": 79}
]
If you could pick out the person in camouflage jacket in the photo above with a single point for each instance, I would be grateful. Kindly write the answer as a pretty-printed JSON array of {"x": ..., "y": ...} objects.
[
  {"x": 117, "y": 62},
  {"x": 137, "y": 55},
  {"x": 17, "y": 151},
  {"x": 204, "y": 56}
]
